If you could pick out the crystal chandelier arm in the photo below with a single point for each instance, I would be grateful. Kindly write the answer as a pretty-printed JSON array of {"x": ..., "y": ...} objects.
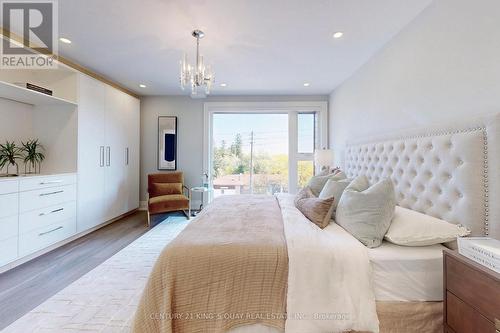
[{"x": 198, "y": 75}]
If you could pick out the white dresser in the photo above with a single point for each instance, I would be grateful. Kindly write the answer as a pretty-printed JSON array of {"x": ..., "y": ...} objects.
[{"x": 35, "y": 212}]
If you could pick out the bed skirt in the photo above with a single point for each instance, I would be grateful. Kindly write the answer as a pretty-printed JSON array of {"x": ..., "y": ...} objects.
[
  {"x": 410, "y": 317},
  {"x": 394, "y": 317}
]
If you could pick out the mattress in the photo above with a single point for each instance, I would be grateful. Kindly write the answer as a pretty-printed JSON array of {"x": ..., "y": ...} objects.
[{"x": 404, "y": 273}]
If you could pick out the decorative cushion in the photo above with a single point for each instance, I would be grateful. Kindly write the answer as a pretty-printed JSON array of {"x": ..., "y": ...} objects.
[
  {"x": 366, "y": 211},
  {"x": 165, "y": 189},
  {"x": 316, "y": 183},
  {"x": 334, "y": 188},
  {"x": 411, "y": 228},
  {"x": 318, "y": 211},
  {"x": 168, "y": 203}
]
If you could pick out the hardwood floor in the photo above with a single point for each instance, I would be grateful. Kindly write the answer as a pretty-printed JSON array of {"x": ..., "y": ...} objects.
[{"x": 27, "y": 286}]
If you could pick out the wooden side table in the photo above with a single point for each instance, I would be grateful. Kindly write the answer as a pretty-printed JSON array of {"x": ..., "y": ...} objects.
[
  {"x": 471, "y": 296},
  {"x": 202, "y": 190}
]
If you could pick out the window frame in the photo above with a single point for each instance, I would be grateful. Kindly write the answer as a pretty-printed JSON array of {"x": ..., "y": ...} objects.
[{"x": 320, "y": 108}]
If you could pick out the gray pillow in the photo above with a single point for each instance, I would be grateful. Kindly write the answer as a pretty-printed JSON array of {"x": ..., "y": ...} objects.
[
  {"x": 366, "y": 211},
  {"x": 334, "y": 188},
  {"x": 316, "y": 183}
]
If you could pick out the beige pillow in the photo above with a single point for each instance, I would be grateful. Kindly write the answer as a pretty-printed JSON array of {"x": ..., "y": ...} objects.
[
  {"x": 318, "y": 211},
  {"x": 165, "y": 189},
  {"x": 316, "y": 183}
]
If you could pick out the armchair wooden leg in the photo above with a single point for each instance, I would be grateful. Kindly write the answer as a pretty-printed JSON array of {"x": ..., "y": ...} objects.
[{"x": 149, "y": 219}]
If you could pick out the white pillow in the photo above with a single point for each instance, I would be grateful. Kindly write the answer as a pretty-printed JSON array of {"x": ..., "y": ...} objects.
[{"x": 411, "y": 228}]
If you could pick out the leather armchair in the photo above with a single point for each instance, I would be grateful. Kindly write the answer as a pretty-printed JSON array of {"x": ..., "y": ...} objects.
[{"x": 167, "y": 193}]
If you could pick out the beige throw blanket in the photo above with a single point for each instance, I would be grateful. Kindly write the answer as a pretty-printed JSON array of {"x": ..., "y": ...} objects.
[{"x": 228, "y": 268}]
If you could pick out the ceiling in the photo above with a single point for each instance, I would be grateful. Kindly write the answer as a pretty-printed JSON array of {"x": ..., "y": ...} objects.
[{"x": 257, "y": 47}]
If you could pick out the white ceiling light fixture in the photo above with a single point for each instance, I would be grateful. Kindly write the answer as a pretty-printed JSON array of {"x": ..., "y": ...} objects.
[
  {"x": 198, "y": 76},
  {"x": 223, "y": 85},
  {"x": 64, "y": 40},
  {"x": 307, "y": 84},
  {"x": 338, "y": 34},
  {"x": 142, "y": 85}
]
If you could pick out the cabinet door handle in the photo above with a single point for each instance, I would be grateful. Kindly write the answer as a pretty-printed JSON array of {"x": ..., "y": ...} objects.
[
  {"x": 51, "y": 193},
  {"x": 126, "y": 156},
  {"x": 48, "y": 182},
  {"x": 101, "y": 156},
  {"x": 48, "y": 232},
  {"x": 108, "y": 156},
  {"x": 51, "y": 212}
]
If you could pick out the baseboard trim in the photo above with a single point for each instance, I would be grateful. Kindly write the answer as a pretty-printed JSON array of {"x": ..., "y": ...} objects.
[{"x": 52, "y": 247}]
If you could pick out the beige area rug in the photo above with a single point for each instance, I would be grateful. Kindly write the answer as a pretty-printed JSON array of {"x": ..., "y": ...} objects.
[{"x": 105, "y": 299}]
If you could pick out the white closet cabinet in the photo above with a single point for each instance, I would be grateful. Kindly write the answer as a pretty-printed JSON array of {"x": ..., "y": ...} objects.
[{"x": 108, "y": 153}]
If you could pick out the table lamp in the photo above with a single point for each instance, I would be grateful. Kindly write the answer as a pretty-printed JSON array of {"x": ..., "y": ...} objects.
[{"x": 323, "y": 158}]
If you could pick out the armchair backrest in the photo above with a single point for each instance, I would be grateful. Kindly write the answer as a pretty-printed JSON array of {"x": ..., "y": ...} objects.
[{"x": 165, "y": 183}]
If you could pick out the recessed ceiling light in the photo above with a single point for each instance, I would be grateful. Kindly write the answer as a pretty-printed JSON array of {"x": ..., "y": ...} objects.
[
  {"x": 223, "y": 84},
  {"x": 307, "y": 84},
  {"x": 65, "y": 40},
  {"x": 338, "y": 34},
  {"x": 142, "y": 85}
]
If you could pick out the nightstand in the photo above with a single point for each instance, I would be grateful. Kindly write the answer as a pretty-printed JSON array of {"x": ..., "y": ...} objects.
[
  {"x": 202, "y": 190},
  {"x": 471, "y": 296}
]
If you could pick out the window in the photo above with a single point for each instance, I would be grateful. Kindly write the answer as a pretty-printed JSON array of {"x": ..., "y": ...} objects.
[
  {"x": 250, "y": 153},
  {"x": 305, "y": 170},
  {"x": 262, "y": 147},
  {"x": 306, "y": 133}
]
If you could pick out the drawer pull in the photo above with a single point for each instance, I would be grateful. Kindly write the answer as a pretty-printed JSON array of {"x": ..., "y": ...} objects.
[
  {"x": 51, "y": 193},
  {"x": 51, "y": 212},
  {"x": 48, "y": 182},
  {"x": 48, "y": 232}
]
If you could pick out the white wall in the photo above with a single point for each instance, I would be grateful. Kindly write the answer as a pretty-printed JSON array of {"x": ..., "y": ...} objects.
[
  {"x": 445, "y": 65},
  {"x": 16, "y": 121},
  {"x": 54, "y": 126},
  {"x": 189, "y": 114}
]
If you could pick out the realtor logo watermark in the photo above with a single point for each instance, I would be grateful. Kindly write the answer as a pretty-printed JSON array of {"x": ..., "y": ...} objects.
[{"x": 35, "y": 22}]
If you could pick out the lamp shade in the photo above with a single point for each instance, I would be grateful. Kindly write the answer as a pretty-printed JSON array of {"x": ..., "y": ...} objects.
[{"x": 323, "y": 157}]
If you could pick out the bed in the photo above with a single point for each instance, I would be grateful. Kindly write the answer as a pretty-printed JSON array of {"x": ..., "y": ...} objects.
[{"x": 255, "y": 264}]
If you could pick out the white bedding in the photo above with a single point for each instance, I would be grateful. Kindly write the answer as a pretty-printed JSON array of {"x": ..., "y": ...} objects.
[
  {"x": 329, "y": 279},
  {"x": 403, "y": 273}
]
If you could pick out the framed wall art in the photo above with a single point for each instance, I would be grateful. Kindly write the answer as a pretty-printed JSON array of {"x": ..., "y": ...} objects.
[{"x": 167, "y": 143}]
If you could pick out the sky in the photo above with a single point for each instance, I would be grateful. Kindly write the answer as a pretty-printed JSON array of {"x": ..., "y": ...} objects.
[{"x": 270, "y": 131}]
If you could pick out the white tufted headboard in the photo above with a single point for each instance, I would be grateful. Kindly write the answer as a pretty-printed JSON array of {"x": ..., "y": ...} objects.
[{"x": 450, "y": 172}]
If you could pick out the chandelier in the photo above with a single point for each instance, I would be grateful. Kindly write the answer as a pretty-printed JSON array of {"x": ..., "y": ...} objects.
[{"x": 200, "y": 76}]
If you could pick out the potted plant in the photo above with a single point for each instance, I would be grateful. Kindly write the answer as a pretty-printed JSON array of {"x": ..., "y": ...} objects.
[
  {"x": 33, "y": 155},
  {"x": 9, "y": 153}
]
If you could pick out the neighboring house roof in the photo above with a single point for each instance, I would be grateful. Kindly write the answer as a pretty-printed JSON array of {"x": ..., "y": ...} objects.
[
  {"x": 243, "y": 179},
  {"x": 229, "y": 180}
]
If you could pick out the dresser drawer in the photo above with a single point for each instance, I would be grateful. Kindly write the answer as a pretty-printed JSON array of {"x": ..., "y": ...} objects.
[
  {"x": 44, "y": 217},
  {"x": 475, "y": 288},
  {"x": 9, "y": 186},
  {"x": 462, "y": 318},
  {"x": 42, "y": 237},
  {"x": 41, "y": 182},
  {"x": 8, "y": 250},
  {"x": 8, "y": 227},
  {"x": 9, "y": 204},
  {"x": 31, "y": 200}
]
